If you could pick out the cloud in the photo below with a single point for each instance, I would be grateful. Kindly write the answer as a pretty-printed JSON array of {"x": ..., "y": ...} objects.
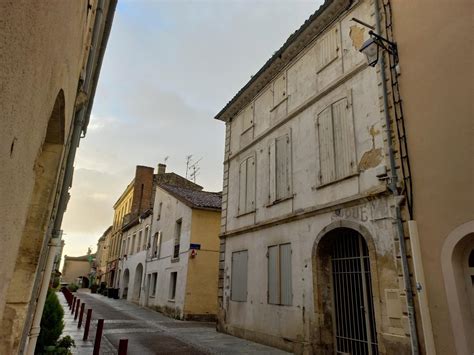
[{"x": 169, "y": 67}]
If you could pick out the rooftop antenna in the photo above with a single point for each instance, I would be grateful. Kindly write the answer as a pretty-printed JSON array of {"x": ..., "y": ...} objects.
[
  {"x": 166, "y": 159},
  {"x": 195, "y": 170},
  {"x": 189, "y": 159}
]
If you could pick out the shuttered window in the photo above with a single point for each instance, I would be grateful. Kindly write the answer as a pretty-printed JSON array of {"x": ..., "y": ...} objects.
[
  {"x": 177, "y": 238},
  {"x": 238, "y": 289},
  {"x": 279, "y": 89},
  {"x": 247, "y": 185},
  {"x": 327, "y": 49},
  {"x": 280, "y": 289},
  {"x": 280, "y": 168},
  {"x": 337, "y": 157}
]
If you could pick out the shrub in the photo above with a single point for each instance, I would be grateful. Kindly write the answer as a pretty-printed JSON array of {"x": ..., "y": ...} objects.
[
  {"x": 51, "y": 323},
  {"x": 73, "y": 287}
]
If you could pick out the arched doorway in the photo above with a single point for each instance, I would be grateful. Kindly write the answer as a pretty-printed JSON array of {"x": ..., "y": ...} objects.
[
  {"x": 137, "y": 283},
  {"x": 126, "y": 279},
  {"x": 343, "y": 294},
  {"x": 457, "y": 261},
  {"x": 84, "y": 282}
]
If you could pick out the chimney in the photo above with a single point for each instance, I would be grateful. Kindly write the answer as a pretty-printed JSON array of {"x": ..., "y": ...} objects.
[{"x": 161, "y": 169}]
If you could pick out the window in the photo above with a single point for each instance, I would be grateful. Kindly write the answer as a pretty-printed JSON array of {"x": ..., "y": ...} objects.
[
  {"x": 238, "y": 288},
  {"x": 280, "y": 168},
  {"x": 139, "y": 244},
  {"x": 127, "y": 249},
  {"x": 279, "y": 90},
  {"x": 327, "y": 49},
  {"x": 279, "y": 275},
  {"x": 177, "y": 238},
  {"x": 133, "y": 244},
  {"x": 154, "y": 279},
  {"x": 160, "y": 207},
  {"x": 336, "y": 142},
  {"x": 247, "y": 126},
  {"x": 146, "y": 239},
  {"x": 124, "y": 247},
  {"x": 172, "y": 291},
  {"x": 247, "y": 185}
]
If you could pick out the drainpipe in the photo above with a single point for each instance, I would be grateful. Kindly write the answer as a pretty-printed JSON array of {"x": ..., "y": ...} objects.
[
  {"x": 80, "y": 120},
  {"x": 398, "y": 198}
]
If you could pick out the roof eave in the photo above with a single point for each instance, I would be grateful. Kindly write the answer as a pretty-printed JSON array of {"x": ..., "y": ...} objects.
[{"x": 317, "y": 22}]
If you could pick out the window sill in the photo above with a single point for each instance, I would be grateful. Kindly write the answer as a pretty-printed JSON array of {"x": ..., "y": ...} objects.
[
  {"x": 280, "y": 304},
  {"x": 318, "y": 186},
  {"x": 276, "y": 202},
  {"x": 245, "y": 214},
  {"x": 175, "y": 260},
  {"x": 152, "y": 296},
  {"x": 172, "y": 301},
  {"x": 279, "y": 103}
]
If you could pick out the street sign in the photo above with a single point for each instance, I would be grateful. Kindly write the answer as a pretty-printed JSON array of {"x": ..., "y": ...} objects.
[{"x": 195, "y": 246}]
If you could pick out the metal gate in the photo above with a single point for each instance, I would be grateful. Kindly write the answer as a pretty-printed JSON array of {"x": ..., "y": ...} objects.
[{"x": 355, "y": 331}]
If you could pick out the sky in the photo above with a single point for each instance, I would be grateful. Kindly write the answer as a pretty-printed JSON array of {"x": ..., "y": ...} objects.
[{"x": 169, "y": 68}]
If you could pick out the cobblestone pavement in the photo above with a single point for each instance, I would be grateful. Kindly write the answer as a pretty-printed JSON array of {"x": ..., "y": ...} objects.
[{"x": 150, "y": 332}]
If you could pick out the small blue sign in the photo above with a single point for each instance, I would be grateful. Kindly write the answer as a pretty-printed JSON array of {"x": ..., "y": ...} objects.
[{"x": 195, "y": 246}]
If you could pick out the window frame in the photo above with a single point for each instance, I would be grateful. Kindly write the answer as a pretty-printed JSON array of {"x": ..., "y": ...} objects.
[{"x": 279, "y": 264}]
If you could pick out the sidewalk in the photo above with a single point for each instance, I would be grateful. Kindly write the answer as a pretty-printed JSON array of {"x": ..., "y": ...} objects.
[{"x": 150, "y": 332}]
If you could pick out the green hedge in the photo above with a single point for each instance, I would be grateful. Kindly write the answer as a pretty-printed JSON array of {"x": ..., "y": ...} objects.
[{"x": 52, "y": 323}]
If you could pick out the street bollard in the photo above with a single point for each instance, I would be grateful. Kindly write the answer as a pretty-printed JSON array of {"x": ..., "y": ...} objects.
[
  {"x": 88, "y": 324},
  {"x": 73, "y": 304},
  {"x": 78, "y": 302},
  {"x": 98, "y": 336},
  {"x": 81, "y": 313},
  {"x": 123, "y": 345}
]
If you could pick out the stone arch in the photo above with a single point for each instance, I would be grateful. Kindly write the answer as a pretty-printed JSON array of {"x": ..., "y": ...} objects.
[
  {"x": 453, "y": 257},
  {"x": 125, "y": 283},
  {"x": 46, "y": 170},
  {"x": 322, "y": 333},
  {"x": 137, "y": 283}
]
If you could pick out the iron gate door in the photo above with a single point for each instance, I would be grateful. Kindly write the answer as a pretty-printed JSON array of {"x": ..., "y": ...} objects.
[{"x": 355, "y": 331}]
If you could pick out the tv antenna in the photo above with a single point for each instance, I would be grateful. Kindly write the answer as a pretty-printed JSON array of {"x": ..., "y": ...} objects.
[{"x": 194, "y": 167}]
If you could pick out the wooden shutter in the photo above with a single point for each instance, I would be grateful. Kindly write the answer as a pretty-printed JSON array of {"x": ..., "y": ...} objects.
[
  {"x": 326, "y": 147},
  {"x": 243, "y": 187},
  {"x": 273, "y": 275},
  {"x": 343, "y": 139},
  {"x": 286, "y": 297},
  {"x": 282, "y": 151},
  {"x": 327, "y": 49},
  {"x": 250, "y": 198},
  {"x": 238, "y": 280},
  {"x": 272, "y": 171}
]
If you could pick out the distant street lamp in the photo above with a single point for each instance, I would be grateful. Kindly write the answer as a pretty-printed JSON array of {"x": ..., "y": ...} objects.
[{"x": 372, "y": 47}]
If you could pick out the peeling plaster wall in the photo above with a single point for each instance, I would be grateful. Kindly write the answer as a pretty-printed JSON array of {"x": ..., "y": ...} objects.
[{"x": 309, "y": 88}]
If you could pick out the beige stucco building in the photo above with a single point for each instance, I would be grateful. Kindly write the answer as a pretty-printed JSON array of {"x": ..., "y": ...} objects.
[
  {"x": 49, "y": 67},
  {"x": 436, "y": 50},
  {"x": 102, "y": 256},
  {"x": 77, "y": 270},
  {"x": 321, "y": 202}
]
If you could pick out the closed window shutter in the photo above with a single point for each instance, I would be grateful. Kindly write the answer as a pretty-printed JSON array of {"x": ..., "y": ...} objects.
[
  {"x": 243, "y": 187},
  {"x": 272, "y": 172},
  {"x": 327, "y": 49},
  {"x": 239, "y": 270},
  {"x": 282, "y": 167},
  {"x": 285, "y": 274},
  {"x": 250, "y": 198},
  {"x": 343, "y": 139},
  {"x": 326, "y": 147},
  {"x": 273, "y": 275}
]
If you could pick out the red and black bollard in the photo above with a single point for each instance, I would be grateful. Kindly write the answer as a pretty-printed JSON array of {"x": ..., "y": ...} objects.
[
  {"x": 81, "y": 313},
  {"x": 88, "y": 324},
  {"x": 123, "y": 345},
  {"x": 73, "y": 304},
  {"x": 78, "y": 303},
  {"x": 98, "y": 336}
]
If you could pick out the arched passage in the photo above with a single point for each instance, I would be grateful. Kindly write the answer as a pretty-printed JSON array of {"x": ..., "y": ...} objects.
[
  {"x": 457, "y": 261},
  {"x": 137, "y": 282},
  {"x": 126, "y": 280},
  {"x": 343, "y": 292}
]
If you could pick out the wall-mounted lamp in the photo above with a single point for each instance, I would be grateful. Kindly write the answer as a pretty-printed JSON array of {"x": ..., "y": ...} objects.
[{"x": 372, "y": 47}]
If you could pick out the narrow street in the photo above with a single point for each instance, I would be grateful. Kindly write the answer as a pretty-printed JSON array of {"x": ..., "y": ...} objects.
[{"x": 150, "y": 332}]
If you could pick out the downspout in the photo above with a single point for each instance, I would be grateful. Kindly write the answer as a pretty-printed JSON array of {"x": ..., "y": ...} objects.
[
  {"x": 80, "y": 120},
  {"x": 398, "y": 198}
]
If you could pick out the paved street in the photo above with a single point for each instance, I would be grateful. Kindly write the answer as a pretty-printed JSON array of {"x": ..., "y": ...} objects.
[{"x": 150, "y": 332}]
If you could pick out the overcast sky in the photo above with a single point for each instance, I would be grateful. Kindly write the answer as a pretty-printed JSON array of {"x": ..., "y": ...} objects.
[{"x": 169, "y": 67}]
